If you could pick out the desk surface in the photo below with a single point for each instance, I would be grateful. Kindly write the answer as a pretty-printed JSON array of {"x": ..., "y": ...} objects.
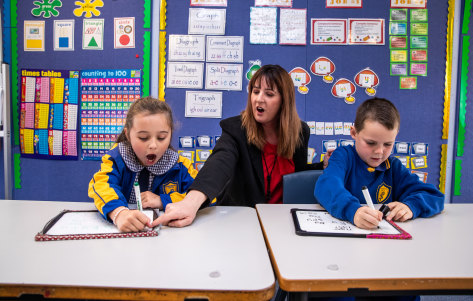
[
  {"x": 221, "y": 255},
  {"x": 438, "y": 257}
]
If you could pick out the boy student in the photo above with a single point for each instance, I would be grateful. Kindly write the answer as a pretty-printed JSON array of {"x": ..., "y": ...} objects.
[{"x": 368, "y": 163}]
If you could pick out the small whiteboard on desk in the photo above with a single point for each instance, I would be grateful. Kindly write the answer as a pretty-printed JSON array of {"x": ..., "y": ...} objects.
[{"x": 321, "y": 223}]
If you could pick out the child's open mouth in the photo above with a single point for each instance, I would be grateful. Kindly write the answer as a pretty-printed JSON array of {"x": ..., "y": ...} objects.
[{"x": 151, "y": 157}]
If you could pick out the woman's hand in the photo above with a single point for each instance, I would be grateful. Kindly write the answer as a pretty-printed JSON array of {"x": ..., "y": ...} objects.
[
  {"x": 399, "y": 212},
  {"x": 182, "y": 213},
  {"x": 151, "y": 200}
]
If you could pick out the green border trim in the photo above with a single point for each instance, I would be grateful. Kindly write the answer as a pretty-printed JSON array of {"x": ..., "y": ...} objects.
[
  {"x": 14, "y": 72},
  {"x": 147, "y": 19},
  {"x": 458, "y": 177},
  {"x": 463, "y": 91},
  {"x": 397, "y": 37},
  {"x": 17, "y": 170},
  {"x": 466, "y": 17},
  {"x": 146, "y": 62}
]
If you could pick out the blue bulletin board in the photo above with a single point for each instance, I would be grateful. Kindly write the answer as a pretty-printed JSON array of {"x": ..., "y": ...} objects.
[{"x": 328, "y": 114}]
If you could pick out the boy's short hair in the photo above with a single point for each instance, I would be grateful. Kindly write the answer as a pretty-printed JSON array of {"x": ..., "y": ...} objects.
[{"x": 380, "y": 110}]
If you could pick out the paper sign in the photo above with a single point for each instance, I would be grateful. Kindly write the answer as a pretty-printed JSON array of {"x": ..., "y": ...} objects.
[
  {"x": 92, "y": 34},
  {"x": 418, "y": 69},
  {"x": 366, "y": 31},
  {"x": 408, "y": 82},
  {"x": 292, "y": 26},
  {"x": 124, "y": 32},
  {"x": 408, "y": 3},
  {"x": 33, "y": 35},
  {"x": 320, "y": 128},
  {"x": 224, "y": 77},
  {"x": 203, "y": 104},
  {"x": 398, "y": 69},
  {"x": 207, "y": 21},
  {"x": 63, "y": 35},
  {"x": 225, "y": 49},
  {"x": 186, "y": 47},
  {"x": 277, "y": 3},
  {"x": 263, "y": 25},
  {"x": 338, "y": 128},
  {"x": 185, "y": 75},
  {"x": 208, "y": 2},
  {"x": 343, "y": 4},
  {"x": 328, "y": 31}
]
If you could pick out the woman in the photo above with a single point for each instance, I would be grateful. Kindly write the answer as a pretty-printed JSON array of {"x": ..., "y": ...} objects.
[{"x": 266, "y": 141}]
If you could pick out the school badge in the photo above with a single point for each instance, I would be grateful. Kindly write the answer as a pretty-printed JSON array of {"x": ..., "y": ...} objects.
[
  {"x": 383, "y": 193},
  {"x": 170, "y": 187}
]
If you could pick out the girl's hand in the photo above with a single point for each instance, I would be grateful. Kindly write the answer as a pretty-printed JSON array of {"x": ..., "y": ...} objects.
[
  {"x": 131, "y": 220},
  {"x": 151, "y": 200},
  {"x": 367, "y": 218},
  {"x": 399, "y": 212}
]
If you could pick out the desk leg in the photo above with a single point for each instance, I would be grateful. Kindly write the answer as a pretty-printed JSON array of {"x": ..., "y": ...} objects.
[{"x": 297, "y": 296}]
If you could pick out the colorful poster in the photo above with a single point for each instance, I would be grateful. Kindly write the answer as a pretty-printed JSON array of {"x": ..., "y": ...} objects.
[
  {"x": 92, "y": 34},
  {"x": 263, "y": 28},
  {"x": 328, "y": 31},
  {"x": 106, "y": 96},
  {"x": 63, "y": 35},
  {"x": 48, "y": 114},
  {"x": 33, "y": 39},
  {"x": 124, "y": 32},
  {"x": 293, "y": 26},
  {"x": 366, "y": 31}
]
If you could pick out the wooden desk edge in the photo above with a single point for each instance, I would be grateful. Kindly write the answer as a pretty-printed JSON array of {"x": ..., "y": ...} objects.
[
  {"x": 343, "y": 285},
  {"x": 107, "y": 293}
]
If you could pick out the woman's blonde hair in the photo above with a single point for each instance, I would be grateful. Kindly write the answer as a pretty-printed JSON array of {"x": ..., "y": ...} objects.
[
  {"x": 289, "y": 125},
  {"x": 147, "y": 105}
]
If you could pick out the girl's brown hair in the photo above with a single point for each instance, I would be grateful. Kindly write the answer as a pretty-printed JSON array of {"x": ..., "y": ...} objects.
[
  {"x": 289, "y": 126},
  {"x": 149, "y": 106}
]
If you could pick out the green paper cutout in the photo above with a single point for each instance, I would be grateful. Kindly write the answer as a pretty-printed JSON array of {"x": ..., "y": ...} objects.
[
  {"x": 463, "y": 92},
  {"x": 14, "y": 72},
  {"x": 147, "y": 20},
  {"x": 466, "y": 17},
  {"x": 146, "y": 62},
  {"x": 47, "y": 8},
  {"x": 17, "y": 170},
  {"x": 458, "y": 177},
  {"x": 93, "y": 43}
]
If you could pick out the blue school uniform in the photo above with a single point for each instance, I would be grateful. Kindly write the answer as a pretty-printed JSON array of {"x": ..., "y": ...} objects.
[
  {"x": 112, "y": 186},
  {"x": 339, "y": 188}
]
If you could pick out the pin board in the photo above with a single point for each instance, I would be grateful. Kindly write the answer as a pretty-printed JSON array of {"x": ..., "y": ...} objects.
[{"x": 350, "y": 51}]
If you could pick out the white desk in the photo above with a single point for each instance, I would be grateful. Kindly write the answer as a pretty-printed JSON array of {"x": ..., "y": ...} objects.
[
  {"x": 222, "y": 255},
  {"x": 438, "y": 257}
]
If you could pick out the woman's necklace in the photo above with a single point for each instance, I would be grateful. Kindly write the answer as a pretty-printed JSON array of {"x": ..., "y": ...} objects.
[{"x": 268, "y": 178}]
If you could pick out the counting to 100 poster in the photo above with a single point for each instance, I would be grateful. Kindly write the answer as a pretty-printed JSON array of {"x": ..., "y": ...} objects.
[
  {"x": 106, "y": 96},
  {"x": 48, "y": 114}
]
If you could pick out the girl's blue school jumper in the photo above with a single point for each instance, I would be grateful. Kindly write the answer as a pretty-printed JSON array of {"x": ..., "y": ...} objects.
[
  {"x": 112, "y": 186},
  {"x": 339, "y": 188}
]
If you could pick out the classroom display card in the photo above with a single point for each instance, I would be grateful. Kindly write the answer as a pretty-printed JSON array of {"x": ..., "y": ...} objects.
[
  {"x": 204, "y": 104},
  {"x": 224, "y": 77},
  {"x": 87, "y": 224},
  {"x": 48, "y": 114},
  {"x": 293, "y": 26},
  {"x": 106, "y": 96},
  {"x": 225, "y": 49},
  {"x": 321, "y": 223},
  {"x": 186, "y": 47},
  {"x": 263, "y": 28},
  {"x": 63, "y": 35},
  {"x": 33, "y": 39},
  {"x": 366, "y": 31},
  {"x": 207, "y": 21},
  {"x": 328, "y": 31}
]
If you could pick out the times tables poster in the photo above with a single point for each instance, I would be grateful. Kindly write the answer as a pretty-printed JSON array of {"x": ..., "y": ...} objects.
[
  {"x": 48, "y": 114},
  {"x": 106, "y": 96}
]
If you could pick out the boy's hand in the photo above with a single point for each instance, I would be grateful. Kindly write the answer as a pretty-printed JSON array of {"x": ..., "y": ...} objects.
[
  {"x": 367, "y": 218},
  {"x": 131, "y": 221},
  {"x": 327, "y": 157},
  {"x": 399, "y": 212},
  {"x": 151, "y": 200}
]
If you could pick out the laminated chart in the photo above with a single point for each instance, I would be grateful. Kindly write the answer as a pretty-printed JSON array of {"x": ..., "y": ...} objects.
[
  {"x": 48, "y": 114},
  {"x": 106, "y": 96}
]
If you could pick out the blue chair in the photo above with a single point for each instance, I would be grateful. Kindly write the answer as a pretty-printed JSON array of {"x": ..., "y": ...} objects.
[{"x": 298, "y": 187}]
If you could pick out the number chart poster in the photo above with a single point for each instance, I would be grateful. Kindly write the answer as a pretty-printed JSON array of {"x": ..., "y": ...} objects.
[
  {"x": 106, "y": 96},
  {"x": 48, "y": 114}
]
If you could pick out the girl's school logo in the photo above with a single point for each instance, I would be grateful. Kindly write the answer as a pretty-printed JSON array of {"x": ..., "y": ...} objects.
[
  {"x": 170, "y": 187},
  {"x": 383, "y": 193}
]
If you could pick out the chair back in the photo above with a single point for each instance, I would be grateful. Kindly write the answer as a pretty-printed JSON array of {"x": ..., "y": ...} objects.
[{"x": 298, "y": 187}]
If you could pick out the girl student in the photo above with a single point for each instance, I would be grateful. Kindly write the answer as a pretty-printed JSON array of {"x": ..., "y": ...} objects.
[{"x": 142, "y": 153}]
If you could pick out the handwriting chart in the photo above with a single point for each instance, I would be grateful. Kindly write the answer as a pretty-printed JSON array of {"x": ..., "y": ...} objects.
[{"x": 48, "y": 114}]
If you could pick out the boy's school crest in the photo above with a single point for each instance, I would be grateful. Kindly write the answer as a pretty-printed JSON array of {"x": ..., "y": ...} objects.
[
  {"x": 170, "y": 187},
  {"x": 383, "y": 193}
]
